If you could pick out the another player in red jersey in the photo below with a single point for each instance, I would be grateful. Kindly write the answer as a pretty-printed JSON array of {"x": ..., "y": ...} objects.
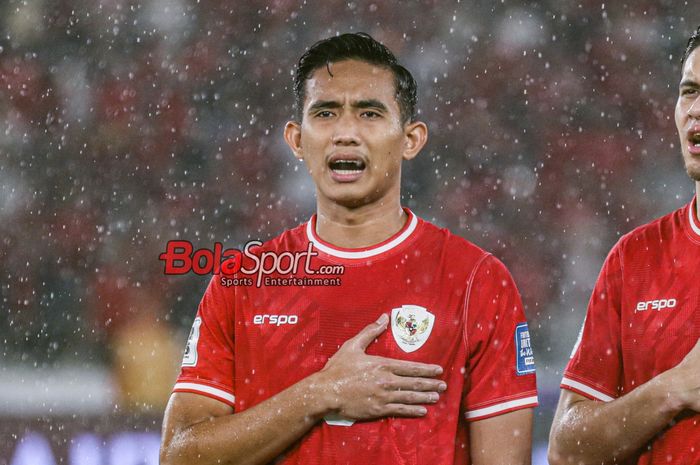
[
  {"x": 416, "y": 349},
  {"x": 631, "y": 391}
]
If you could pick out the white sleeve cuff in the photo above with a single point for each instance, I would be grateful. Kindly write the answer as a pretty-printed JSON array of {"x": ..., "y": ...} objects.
[
  {"x": 207, "y": 390},
  {"x": 502, "y": 407},
  {"x": 585, "y": 389}
]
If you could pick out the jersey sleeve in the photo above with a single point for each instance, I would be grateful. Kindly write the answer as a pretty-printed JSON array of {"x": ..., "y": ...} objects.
[
  {"x": 208, "y": 362},
  {"x": 595, "y": 367},
  {"x": 501, "y": 367}
]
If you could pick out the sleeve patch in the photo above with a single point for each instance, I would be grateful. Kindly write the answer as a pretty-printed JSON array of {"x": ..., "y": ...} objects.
[
  {"x": 524, "y": 358},
  {"x": 578, "y": 340},
  {"x": 190, "y": 358}
]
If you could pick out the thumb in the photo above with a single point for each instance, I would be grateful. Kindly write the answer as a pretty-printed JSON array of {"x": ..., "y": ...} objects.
[{"x": 371, "y": 332}]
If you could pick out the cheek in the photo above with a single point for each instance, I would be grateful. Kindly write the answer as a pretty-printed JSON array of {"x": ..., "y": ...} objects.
[{"x": 679, "y": 115}]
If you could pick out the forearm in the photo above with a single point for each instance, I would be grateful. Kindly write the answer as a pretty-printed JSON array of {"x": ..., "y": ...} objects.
[
  {"x": 253, "y": 436},
  {"x": 602, "y": 432}
]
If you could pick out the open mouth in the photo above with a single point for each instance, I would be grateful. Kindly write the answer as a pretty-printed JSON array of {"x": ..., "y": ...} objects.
[
  {"x": 346, "y": 166},
  {"x": 694, "y": 139}
]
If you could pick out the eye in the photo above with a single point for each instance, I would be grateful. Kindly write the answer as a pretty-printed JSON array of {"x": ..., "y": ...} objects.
[
  {"x": 689, "y": 91},
  {"x": 370, "y": 114},
  {"x": 324, "y": 114}
]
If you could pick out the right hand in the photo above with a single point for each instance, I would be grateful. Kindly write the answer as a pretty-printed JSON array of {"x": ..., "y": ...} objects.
[{"x": 358, "y": 386}]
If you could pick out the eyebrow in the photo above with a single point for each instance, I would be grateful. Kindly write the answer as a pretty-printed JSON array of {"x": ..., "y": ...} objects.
[
  {"x": 367, "y": 103},
  {"x": 689, "y": 83}
]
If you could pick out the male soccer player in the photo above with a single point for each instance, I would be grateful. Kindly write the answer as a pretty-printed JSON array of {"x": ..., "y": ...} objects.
[
  {"x": 631, "y": 391},
  {"x": 284, "y": 372}
]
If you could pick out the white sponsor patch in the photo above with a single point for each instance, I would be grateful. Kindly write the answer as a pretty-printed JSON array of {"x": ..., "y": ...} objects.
[
  {"x": 658, "y": 305},
  {"x": 336, "y": 420},
  {"x": 411, "y": 326},
  {"x": 275, "y": 320},
  {"x": 190, "y": 358}
]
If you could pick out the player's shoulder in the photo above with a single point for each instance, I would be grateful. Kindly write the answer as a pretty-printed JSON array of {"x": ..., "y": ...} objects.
[
  {"x": 457, "y": 245},
  {"x": 656, "y": 232}
]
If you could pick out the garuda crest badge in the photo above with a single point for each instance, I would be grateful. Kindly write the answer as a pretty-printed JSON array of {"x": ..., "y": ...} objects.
[{"x": 411, "y": 326}]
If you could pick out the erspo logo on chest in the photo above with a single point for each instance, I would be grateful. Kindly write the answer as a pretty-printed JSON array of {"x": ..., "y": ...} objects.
[
  {"x": 658, "y": 304},
  {"x": 525, "y": 360},
  {"x": 275, "y": 320},
  {"x": 411, "y": 326}
]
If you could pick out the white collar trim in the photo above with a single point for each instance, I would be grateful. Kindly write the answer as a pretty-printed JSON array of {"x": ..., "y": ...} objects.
[
  {"x": 693, "y": 217},
  {"x": 363, "y": 253}
]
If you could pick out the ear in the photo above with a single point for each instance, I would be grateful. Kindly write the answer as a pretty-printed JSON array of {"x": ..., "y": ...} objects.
[
  {"x": 292, "y": 136},
  {"x": 415, "y": 137}
]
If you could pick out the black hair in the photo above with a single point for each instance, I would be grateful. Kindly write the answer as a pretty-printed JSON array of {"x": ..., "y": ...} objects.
[
  {"x": 693, "y": 43},
  {"x": 357, "y": 46}
]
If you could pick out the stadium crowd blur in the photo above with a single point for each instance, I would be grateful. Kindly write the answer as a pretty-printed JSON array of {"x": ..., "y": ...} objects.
[{"x": 128, "y": 123}]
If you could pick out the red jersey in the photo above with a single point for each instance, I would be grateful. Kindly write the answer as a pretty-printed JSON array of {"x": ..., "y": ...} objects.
[
  {"x": 643, "y": 318},
  {"x": 450, "y": 303}
]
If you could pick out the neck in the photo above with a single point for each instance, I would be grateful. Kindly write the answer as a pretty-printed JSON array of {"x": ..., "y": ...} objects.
[{"x": 359, "y": 227}]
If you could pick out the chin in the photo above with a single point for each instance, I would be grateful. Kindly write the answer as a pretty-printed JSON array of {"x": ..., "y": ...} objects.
[
  {"x": 347, "y": 195},
  {"x": 693, "y": 170},
  {"x": 694, "y": 174},
  {"x": 349, "y": 201}
]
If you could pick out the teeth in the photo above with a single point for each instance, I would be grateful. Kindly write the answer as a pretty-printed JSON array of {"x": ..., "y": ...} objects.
[
  {"x": 347, "y": 165},
  {"x": 347, "y": 171}
]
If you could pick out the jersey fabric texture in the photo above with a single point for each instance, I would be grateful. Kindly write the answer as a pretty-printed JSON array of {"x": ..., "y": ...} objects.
[
  {"x": 450, "y": 303},
  {"x": 642, "y": 319}
]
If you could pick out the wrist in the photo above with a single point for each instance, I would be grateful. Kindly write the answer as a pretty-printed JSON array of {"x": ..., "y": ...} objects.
[
  {"x": 319, "y": 396},
  {"x": 669, "y": 389}
]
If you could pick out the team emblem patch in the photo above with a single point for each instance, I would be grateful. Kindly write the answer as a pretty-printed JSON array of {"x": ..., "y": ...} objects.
[
  {"x": 525, "y": 360},
  {"x": 411, "y": 326}
]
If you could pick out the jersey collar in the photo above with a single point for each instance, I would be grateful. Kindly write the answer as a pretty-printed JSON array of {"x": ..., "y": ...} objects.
[
  {"x": 366, "y": 252},
  {"x": 693, "y": 217}
]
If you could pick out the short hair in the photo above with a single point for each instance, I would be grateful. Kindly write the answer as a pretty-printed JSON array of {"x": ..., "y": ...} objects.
[
  {"x": 356, "y": 46},
  {"x": 693, "y": 43}
]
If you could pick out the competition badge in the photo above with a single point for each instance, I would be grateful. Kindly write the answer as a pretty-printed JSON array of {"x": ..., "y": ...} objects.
[
  {"x": 411, "y": 326},
  {"x": 525, "y": 361},
  {"x": 190, "y": 358}
]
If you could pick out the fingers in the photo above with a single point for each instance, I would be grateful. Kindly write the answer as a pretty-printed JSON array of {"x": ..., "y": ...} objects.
[
  {"x": 412, "y": 397},
  {"x": 403, "y": 410},
  {"x": 415, "y": 384},
  {"x": 403, "y": 390},
  {"x": 405, "y": 368},
  {"x": 370, "y": 332}
]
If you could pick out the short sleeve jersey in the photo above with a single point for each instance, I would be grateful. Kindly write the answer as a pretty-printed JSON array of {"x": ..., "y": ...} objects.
[
  {"x": 450, "y": 304},
  {"x": 642, "y": 319}
]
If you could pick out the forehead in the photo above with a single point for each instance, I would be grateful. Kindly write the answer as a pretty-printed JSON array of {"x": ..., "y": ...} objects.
[
  {"x": 691, "y": 67},
  {"x": 351, "y": 80}
]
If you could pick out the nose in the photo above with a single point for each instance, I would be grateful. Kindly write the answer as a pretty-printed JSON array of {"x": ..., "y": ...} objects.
[
  {"x": 346, "y": 131},
  {"x": 694, "y": 109}
]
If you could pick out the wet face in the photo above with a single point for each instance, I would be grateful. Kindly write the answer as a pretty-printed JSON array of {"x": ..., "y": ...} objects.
[
  {"x": 688, "y": 114},
  {"x": 351, "y": 137}
]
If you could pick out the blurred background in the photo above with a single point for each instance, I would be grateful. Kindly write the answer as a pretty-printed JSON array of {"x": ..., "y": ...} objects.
[{"x": 128, "y": 123}]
